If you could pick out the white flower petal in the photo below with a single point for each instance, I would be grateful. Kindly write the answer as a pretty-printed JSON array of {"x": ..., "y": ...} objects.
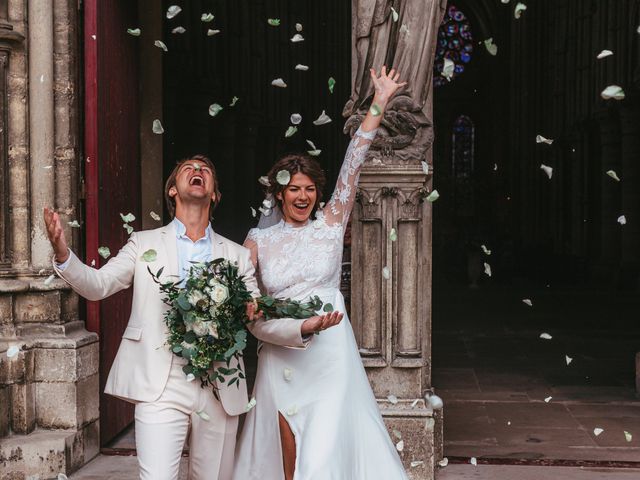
[
  {"x": 392, "y": 399},
  {"x": 155, "y": 216},
  {"x": 394, "y": 14},
  {"x": 128, "y": 228},
  {"x": 287, "y": 373},
  {"x": 491, "y": 47},
  {"x": 302, "y": 67},
  {"x": 297, "y": 38},
  {"x": 207, "y": 17},
  {"x": 62, "y": 476},
  {"x": 283, "y": 177},
  {"x": 292, "y": 410},
  {"x": 251, "y": 404},
  {"x": 323, "y": 119},
  {"x": 627, "y": 436},
  {"x": 548, "y": 170},
  {"x": 527, "y": 301},
  {"x": 290, "y": 131},
  {"x": 622, "y": 220},
  {"x": 298, "y": 27},
  {"x": 253, "y": 212},
  {"x": 433, "y": 196},
  {"x": 12, "y": 351},
  {"x": 425, "y": 167},
  {"x": 278, "y": 82},
  {"x": 295, "y": 118},
  {"x": 444, "y": 462},
  {"x": 264, "y": 180},
  {"x": 157, "y": 127},
  {"x": 268, "y": 202},
  {"x": 520, "y": 7},
  {"x": 173, "y": 10},
  {"x": 495, "y": 167},
  {"x": 473, "y": 461},
  {"x": 134, "y": 31},
  {"x": 568, "y": 359},
  {"x": 49, "y": 280},
  {"x": 234, "y": 100},
  {"x": 160, "y": 44},
  {"x": 128, "y": 218},
  {"x": 179, "y": 29},
  {"x": 74, "y": 224},
  {"x": 211, "y": 32},
  {"x": 203, "y": 415},
  {"x": 375, "y": 110},
  {"x": 613, "y": 175},
  {"x": 393, "y": 235},
  {"x": 548, "y": 399},
  {"x": 545, "y": 336},
  {"x": 613, "y": 91},
  {"x": 416, "y": 463},
  {"x": 435, "y": 402},
  {"x": 149, "y": 256},
  {"x": 485, "y": 250},
  {"x": 415, "y": 402},
  {"x": 400, "y": 445},
  {"x": 214, "y": 109},
  {"x": 314, "y": 153},
  {"x": 505, "y": 1},
  {"x": 104, "y": 252},
  {"x": 604, "y": 54},
  {"x": 541, "y": 139},
  {"x": 191, "y": 377},
  {"x": 264, "y": 211},
  {"x": 311, "y": 144},
  {"x": 448, "y": 69},
  {"x": 597, "y": 431},
  {"x": 487, "y": 269},
  {"x": 386, "y": 273}
]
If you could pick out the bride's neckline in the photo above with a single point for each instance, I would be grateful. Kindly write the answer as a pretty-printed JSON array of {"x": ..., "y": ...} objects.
[{"x": 291, "y": 226}]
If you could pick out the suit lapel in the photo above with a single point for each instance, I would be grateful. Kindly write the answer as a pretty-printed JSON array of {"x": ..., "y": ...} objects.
[
  {"x": 170, "y": 245},
  {"x": 218, "y": 247}
]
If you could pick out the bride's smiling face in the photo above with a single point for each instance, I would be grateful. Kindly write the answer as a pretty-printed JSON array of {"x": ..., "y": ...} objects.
[{"x": 298, "y": 199}]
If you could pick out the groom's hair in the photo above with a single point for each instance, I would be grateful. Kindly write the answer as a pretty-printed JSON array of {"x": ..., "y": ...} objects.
[
  {"x": 297, "y": 163},
  {"x": 171, "y": 181}
]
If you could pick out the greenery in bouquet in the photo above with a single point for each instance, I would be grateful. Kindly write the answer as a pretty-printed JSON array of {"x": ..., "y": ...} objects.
[{"x": 207, "y": 319}]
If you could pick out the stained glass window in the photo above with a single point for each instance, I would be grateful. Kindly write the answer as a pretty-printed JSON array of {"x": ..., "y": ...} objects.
[{"x": 455, "y": 42}]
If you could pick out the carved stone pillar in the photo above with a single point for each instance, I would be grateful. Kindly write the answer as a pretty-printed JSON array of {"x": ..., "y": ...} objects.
[{"x": 391, "y": 278}]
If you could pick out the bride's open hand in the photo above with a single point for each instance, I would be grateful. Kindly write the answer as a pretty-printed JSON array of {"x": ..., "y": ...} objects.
[
  {"x": 321, "y": 322},
  {"x": 385, "y": 84}
]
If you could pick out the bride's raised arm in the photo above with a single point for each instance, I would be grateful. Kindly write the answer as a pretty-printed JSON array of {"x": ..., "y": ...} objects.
[{"x": 341, "y": 203}]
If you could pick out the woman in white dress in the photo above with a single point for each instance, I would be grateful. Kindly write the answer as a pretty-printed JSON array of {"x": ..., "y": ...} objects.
[{"x": 315, "y": 416}]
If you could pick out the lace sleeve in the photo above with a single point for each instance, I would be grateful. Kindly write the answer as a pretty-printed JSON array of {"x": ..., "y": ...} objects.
[{"x": 341, "y": 203}]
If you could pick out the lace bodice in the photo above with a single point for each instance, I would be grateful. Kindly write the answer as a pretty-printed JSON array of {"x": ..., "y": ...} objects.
[{"x": 295, "y": 262}]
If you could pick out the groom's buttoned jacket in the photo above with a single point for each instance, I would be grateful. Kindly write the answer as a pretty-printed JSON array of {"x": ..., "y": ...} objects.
[{"x": 141, "y": 368}]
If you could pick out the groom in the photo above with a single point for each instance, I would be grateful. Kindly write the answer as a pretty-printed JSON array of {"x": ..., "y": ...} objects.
[{"x": 145, "y": 372}]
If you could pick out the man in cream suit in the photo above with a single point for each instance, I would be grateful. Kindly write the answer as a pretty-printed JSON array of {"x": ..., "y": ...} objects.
[{"x": 145, "y": 372}]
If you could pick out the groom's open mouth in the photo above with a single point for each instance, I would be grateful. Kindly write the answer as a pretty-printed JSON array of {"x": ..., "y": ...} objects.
[{"x": 197, "y": 181}]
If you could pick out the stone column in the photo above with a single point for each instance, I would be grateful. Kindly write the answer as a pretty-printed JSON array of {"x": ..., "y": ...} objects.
[{"x": 391, "y": 308}]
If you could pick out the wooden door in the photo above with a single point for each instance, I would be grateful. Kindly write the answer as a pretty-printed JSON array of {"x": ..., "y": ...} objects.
[{"x": 112, "y": 172}]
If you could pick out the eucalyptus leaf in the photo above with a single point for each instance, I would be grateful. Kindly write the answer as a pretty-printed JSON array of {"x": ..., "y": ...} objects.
[
  {"x": 215, "y": 109},
  {"x": 104, "y": 252},
  {"x": 274, "y": 22},
  {"x": 331, "y": 83},
  {"x": 290, "y": 131},
  {"x": 150, "y": 255},
  {"x": 375, "y": 109}
]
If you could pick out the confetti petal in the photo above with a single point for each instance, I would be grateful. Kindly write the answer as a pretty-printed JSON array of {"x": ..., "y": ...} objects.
[
  {"x": 604, "y": 54},
  {"x": 520, "y": 7},
  {"x": 214, "y": 109},
  {"x": 128, "y": 228},
  {"x": 568, "y": 359},
  {"x": 448, "y": 69},
  {"x": 473, "y": 461},
  {"x": 49, "y": 280},
  {"x": 157, "y": 127},
  {"x": 287, "y": 373},
  {"x": 128, "y": 218},
  {"x": 264, "y": 180},
  {"x": 211, "y": 32},
  {"x": 444, "y": 462},
  {"x": 597, "y": 431},
  {"x": 541, "y": 139},
  {"x": 274, "y": 22},
  {"x": 505, "y": 1},
  {"x": 74, "y": 224},
  {"x": 191, "y": 377},
  {"x": 433, "y": 196},
  {"x": 425, "y": 167},
  {"x": 290, "y": 131},
  {"x": 304, "y": 68},
  {"x": 487, "y": 269},
  {"x": 253, "y": 212},
  {"x": 416, "y": 463},
  {"x": 386, "y": 273},
  {"x": 179, "y": 30},
  {"x": 545, "y": 336},
  {"x": 392, "y": 399},
  {"x": 150, "y": 255},
  {"x": 331, "y": 83},
  {"x": 160, "y": 44},
  {"x": 62, "y": 476},
  {"x": 283, "y": 177},
  {"x": 297, "y": 38},
  {"x": 155, "y": 216},
  {"x": 234, "y": 100},
  {"x": 173, "y": 10},
  {"x": 298, "y": 27},
  {"x": 485, "y": 250},
  {"x": 548, "y": 170},
  {"x": 323, "y": 119},
  {"x": 491, "y": 47},
  {"x": 622, "y": 220},
  {"x": 628, "y": 437},
  {"x": 397, "y": 434},
  {"x": 613, "y": 175},
  {"x": 375, "y": 110},
  {"x": 207, "y": 17},
  {"x": 314, "y": 153},
  {"x": 278, "y": 82},
  {"x": 548, "y": 399},
  {"x": 251, "y": 404},
  {"x": 394, "y": 14},
  {"x": 613, "y": 91},
  {"x": 104, "y": 252},
  {"x": 292, "y": 410},
  {"x": 400, "y": 445},
  {"x": 134, "y": 31},
  {"x": 12, "y": 351},
  {"x": 203, "y": 415},
  {"x": 393, "y": 235},
  {"x": 415, "y": 403},
  {"x": 435, "y": 402},
  {"x": 527, "y": 301},
  {"x": 295, "y": 118}
]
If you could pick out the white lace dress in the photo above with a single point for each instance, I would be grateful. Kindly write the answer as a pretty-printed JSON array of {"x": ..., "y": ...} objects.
[{"x": 322, "y": 391}]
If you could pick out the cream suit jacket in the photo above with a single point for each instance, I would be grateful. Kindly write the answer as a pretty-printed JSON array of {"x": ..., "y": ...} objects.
[{"x": 141, "y": 367}]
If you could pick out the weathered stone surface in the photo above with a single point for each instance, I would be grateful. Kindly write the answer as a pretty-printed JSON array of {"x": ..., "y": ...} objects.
[
  {"x": 18, "y": 369},
  {"x": 67, "y": 404},
  {"x": 23, "y": 408},
  {"x": 37, "y": 307},
  {"x": 5, "y": 411},
  {"x": 84, "y": 446},
  {"x": 42, "y": 454},
  {"x": 66, "y": 364},
  {"x": 6, "y": 310}
]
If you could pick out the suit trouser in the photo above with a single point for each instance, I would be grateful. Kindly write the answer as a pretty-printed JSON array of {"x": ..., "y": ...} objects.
[{"x": 162, "y": 427}]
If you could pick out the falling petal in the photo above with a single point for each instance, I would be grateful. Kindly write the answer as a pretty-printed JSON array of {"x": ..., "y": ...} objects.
[
  {"x": 448, "y": 69},
  {"x": 179, "y": 30},
  {"x": 74, "y": 224},
  {"x": 433, "y": 196},
  {"x": 290, "y": 131},
  {"x": 613, "y": 91},
  {"x": 416, "y": 463},
  {"x": 393, "y": 399},
  {"x": 155, "y": 216},
  {"x": 520, "y": 7},
  {"x": 386, "y": 273},
  {"x": 323, "y": 119},
  {"x": 264, "y": 211},
  {"x": 160, "y": 44},
  {"x": 292, "y": 410},
  {"x": 49, "y": 280},
  {"x": 444, "y": 462},
  {"x": 397, "y": 434},
  {"x": 314, "y": 153},
  {"x": 128, "y": 218},
  {"x": 505, "y": 1},
  {"x": 278, "y": 82},
  {"x": 487, "y": 269},
  {"x": 173, "y": 10},
  {"x": 128, "y": 228},
  {"x": 548, "y": 170},
  {"x": 415, "y": 402},
  {"x": 393, "y": 235},
  {"x": 613, "y": 175},
  {"x": 157, "y": 127},
  {"x": 268, "y": 202},
  {"x": 622, "y": 220},
  {"x": 375, "y": 110},
  {"x": 627, "y": 436},
  {"x": 234, "y": 100},
  {"x": 491, "y": 47},
  {"x": 150, "y": 255},
  {"x": 283, "y": 177},
  {"x": 436, "y": 402},
  {"x": 297, "y": 38},
  {"x": 568, "y": 359},
  {"x": 485, "y": 250},
  {"x": 548, "y": 399},
  {"x": 134, "y": 31},
  {"x": 62, "y": 476},
  {"x": 331, "y": 83},
  {"x": 214, "y": 109},
  {"x": 597, "y": 431},
  {"x": 251, "y": 404},
  {"x": 545, "y": 336},
  {"x": 394, "y": 14},
  {"x": 48, "y": 167},
  {"x": 287, "y": 373},
  {"x": 473, "y": 461},
  {"x": 400, "y": 445},
  {"x": 298, "y": 27},
  {"x": 253, "y": 212},
  {"x": 495, "y": 167},
  {"x": 304, "y": 68},
  {"x": 104, "y": 252},
  {"x": 274, "y": 22},
  {"x": 311, "y": 144},
  {"x": 295, "y": 118},
  {"x": 604, "y": 54},
  {"x": 541, "y": 139},
  {"x": 264, "y": 180},
  {"x": 207, "y": 17},
  {"x": 405, "y": 30},
  {"x": 203, "y": 415},
  {"x": 191, "y": 377},
  {"x": 425, "y": 167},
  {"x": 509, "y": 423},
  {"x": 211, "y": 32},
  {"x": 13, "y": 351}
]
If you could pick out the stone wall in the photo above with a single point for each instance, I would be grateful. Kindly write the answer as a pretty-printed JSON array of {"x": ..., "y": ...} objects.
[{"x": 49, "y": 388}]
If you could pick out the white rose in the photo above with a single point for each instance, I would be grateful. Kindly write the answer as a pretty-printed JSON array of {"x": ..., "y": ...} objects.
[
  {"x": 213, "y": 329},
  {"x": 219, "y": 293},
  {"x": 195, "y": 296},
  {"x": 200, "y": 328}
]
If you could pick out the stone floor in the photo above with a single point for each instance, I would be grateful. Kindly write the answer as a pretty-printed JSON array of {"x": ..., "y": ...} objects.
[{"x": 510, "y": 394}]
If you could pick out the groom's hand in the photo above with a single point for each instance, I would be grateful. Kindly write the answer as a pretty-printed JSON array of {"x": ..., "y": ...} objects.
[{"x": 321, "y": 322}]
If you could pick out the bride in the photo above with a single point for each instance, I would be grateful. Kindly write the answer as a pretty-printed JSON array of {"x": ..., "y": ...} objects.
[{"x": 315, "y": 416}]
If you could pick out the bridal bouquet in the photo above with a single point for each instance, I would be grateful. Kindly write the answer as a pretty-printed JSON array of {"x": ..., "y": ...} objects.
[{"x": 207, "y": 319}]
